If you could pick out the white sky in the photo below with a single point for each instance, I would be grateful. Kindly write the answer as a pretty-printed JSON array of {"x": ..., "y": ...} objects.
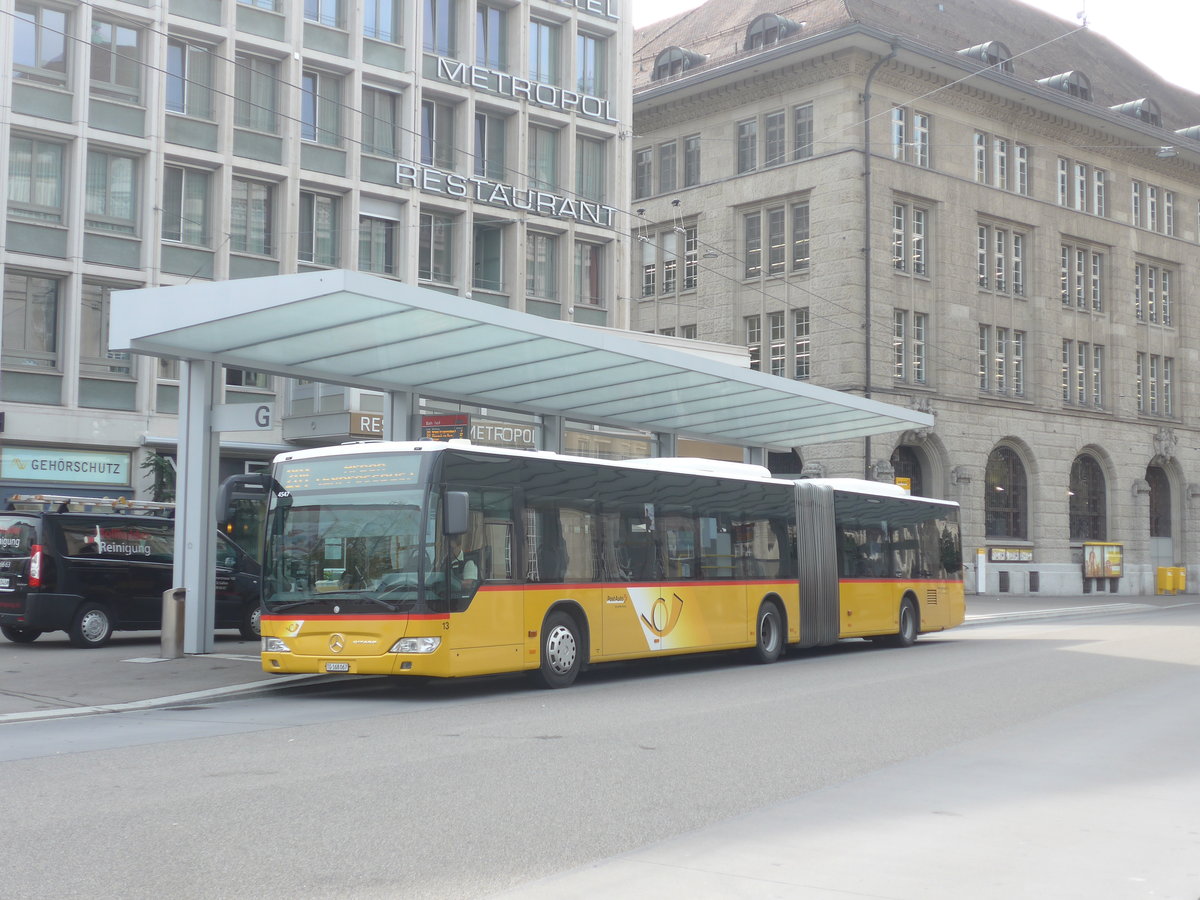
[{"x": 1160, "y": 33}]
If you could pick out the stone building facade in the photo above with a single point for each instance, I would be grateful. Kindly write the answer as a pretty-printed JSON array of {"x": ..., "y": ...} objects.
[{"x": 969, "y": 208}]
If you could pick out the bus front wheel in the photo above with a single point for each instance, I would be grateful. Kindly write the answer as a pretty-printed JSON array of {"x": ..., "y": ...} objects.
[
  {"x": 768, "y": 630},
  {"x": 561, "y": 651}
]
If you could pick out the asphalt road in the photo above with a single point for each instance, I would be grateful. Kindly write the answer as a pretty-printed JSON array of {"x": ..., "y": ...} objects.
[{"x": 1038, "y": 759}]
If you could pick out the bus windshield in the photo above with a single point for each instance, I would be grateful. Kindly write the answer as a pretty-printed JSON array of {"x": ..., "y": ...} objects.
[{"x": 365, "y": 546}]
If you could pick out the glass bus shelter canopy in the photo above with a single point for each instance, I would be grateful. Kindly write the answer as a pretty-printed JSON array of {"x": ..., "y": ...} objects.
[{"x": 354, "y": 329}]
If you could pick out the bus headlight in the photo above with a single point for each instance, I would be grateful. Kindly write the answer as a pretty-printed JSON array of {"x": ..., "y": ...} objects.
[
  {"x": 274, "y": 645},
  {"x": 416, "y": 645}
]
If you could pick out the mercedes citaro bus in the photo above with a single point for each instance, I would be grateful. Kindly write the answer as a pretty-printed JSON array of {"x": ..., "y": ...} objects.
[{"x": 448, "y": 560}]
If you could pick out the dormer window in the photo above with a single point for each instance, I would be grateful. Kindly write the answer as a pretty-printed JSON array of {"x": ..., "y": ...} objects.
[
  {"x": 674, "y": 61},
  {"x": 1074, "y": 83},
  {"x": 1193, "y": 132},
  {"x": 1145, "y": 109},
  {"x": 993, "y": 53},
  {"x": 769, "y": 29}
]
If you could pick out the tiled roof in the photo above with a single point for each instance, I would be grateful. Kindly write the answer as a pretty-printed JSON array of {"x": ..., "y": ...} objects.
[{"x": 718, "y": 29}]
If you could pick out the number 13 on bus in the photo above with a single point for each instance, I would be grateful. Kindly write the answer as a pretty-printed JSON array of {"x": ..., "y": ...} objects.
[{"x": 450, "y": 560}]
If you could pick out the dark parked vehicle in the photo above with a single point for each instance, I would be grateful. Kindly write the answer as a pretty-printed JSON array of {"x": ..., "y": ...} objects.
[{"x": 91, "y": 567}]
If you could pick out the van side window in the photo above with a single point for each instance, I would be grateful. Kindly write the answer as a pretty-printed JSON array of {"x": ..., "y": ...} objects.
[{"x": 137, "y": 540}]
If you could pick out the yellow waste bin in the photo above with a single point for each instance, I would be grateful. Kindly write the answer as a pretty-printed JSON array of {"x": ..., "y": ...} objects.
[{"x": 1166, "y": 580}]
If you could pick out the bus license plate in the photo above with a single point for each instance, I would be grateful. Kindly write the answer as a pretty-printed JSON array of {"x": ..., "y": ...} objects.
[
  {"x": 337, "y": 667},
  {"x": 5, "y": 583}
]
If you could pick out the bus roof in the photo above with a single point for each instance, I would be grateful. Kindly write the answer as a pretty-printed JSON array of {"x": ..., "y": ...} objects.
[{"x": 714, "y": 468}]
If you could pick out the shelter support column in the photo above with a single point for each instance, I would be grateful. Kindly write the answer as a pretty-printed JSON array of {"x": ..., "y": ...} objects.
[
  {"x": 552, "y": 433},
  {"x": 666, "y": 443},
  {"x": 196, "y": 499},
  {"x": 399, "y": 421},
  {"x": 755, "y": 456}
]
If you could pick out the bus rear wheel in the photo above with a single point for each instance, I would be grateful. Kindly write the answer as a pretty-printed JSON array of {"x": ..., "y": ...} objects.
[
  {"x": 561, "y": 651},
  {"x": 906, "y": 636},
  {"x": 768, "y": 631}
]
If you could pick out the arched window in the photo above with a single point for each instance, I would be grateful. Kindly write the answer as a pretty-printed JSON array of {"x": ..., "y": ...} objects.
[
  {"x": 1006, "y": 500},
  {"x": 1160, "y": 502},
  {"x": 769, "y": 29},
  {"x": 1074, "y": 83},
  {"x": 907, "y": 464},
  {"x": 1088, "y": 500},
  {"x": 674, "y": 61},
  {"x": 1145, "y": 109},
  {"x": 993, "y": 53}
]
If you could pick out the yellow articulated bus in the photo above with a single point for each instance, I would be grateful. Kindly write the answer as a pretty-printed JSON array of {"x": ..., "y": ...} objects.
[{"x": 449, "y": 560}]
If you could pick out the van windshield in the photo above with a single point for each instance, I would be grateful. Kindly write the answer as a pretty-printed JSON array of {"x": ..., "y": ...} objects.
[{"x": 17, "y": 534}]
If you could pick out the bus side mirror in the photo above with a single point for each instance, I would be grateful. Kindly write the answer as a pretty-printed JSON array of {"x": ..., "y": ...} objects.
[
  {"x": 455, "y": 508},
  {"x": 241, "y": 487}
]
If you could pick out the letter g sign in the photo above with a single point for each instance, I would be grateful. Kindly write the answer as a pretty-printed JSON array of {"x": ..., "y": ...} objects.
[{"x": 262, "y": 417}]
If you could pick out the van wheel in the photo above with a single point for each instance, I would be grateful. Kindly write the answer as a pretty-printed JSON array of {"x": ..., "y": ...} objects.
[
  {"x": 91, "y": 627},
  {"x": 19, "y": 635},
  {"x": 768, "y": 644},
  {"x": 251, "y": 624}
]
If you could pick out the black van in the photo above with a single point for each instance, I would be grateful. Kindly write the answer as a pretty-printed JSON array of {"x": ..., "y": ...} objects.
[{"x": 91, "y": 567}]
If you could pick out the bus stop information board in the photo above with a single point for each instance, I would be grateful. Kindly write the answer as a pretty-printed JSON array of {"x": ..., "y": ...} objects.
[{"x": 445, "y": 428}]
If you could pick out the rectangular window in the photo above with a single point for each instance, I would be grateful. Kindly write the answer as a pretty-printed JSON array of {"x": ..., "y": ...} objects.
[
  {"x": 377, "y": 245},
  {"x": 802, "y": 131},
  {"x": 435, "y": 255},
  {"x": 381, "y": 20},
  {"x": 1000, "y": 371},
  {"x": 1081, "y": 277},
  {"x": 643, "y": 172},
  {"x": 802, "y": 332},
  {"x": 1000, "y": 163},
  {"x": 541, "y": 266},
  {"x": 775, "y": 127},
  {"x": 910, "y": 132},
  {"x": 1152, "y": 293},
  {"x": 111, "y": 192},
  {"x": 982, "y": 169},
  {"x": 95, "y": 359},
  {"x": 589, "y": 273},
  {"x": 1169, "y": 213},
  {"x": 747, "y": 146},
  {"x": 319, "y": 237},
  {"x": 984, "y": 355},
  {"x": 1154, "y": 384},
  {"x": 778, "y": 332},
  {"x": 666, "y": 167},
  {"x": 899, "y": 344},
  {"x": 1135, "y": 204},
  {"x": 321, "y": 108},
  {"x": 776, "y": 241},
  {"x": 543, "y": 52},
  {"x": 752, "y": 240},
  {"x": 116, "y": 65},
  {"x": 189, "y": 79},
  {"x": 35, "y": 179},
  {"x": 754, "y": 341},
  {"x": 39, "y": 43},
  {"x": 910, "y": 226},
  {"x": 1140, "y": 382},
  {"x": 1022, "y": 185},
  {"x": 251, "y": 217},
  {"x": 649, "y": 268},
  {"x": 488, "y": 265},
  {"x": 691, "y": 257},
  {"x": 899, "y": 133},
  {"x": 31, "y": 321},
  {"x": 489, "y": 145},
  {"x": 801, "y": 238},
  {"x": 440, "y": 27},
  {"x": 920, "y": 324},
  {"x": 1099, "y": 193},
  {"x": 1168, "y": 386},
  {"x": 669, "y": 245},
  {"x": 1097, "y": 376},
  {"x": 185, "y": 205},
  {"x": 591, "y": 65},
  {"x": 380, "y": 122},
  {"x": 1017, "y": 355},
  {"x": 256, "y": 92},
  {"x": 589, "y": 169},
  {"x": 1079, "y": 187},
  {"x": 543, "y": 157},
  {"x": 691, "y": 160},
  {"x": 437, "y": 134},
  {"x": 323, "y": 12}
]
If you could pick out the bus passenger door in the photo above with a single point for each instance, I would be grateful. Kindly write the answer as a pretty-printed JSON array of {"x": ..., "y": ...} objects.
[{"x": 631, "y": 566}]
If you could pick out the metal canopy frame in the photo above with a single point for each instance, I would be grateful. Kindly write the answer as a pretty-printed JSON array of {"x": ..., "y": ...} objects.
[{"x": 359, "y": 330}]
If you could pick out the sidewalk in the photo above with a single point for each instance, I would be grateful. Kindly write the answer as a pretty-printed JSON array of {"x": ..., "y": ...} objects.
[{"x": 49, "y": 678}]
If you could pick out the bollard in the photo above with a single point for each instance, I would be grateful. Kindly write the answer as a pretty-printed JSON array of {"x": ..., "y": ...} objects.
[{"x": 172, "y": 623}]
